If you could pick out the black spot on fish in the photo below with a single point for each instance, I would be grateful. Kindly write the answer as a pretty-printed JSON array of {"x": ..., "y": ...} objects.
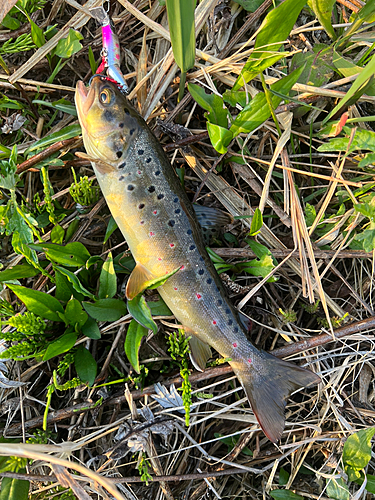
[
  {"x": 201, "y": 258},
  {"x": 230, "y": 322},
  {"x": 204, "y": 229},
  {"x": 142, "y": 205},
  {"x": 171, "y": 223},
  {"x": 157, "y": 172},
  {"x": 178, "y": 211},
  {"x": 148, "y": 160},
  {"x": 189, "y": 231},
  {"x": 175, "y": 200},
  {"x": 122, "y": 165},
  {"x": 151, "y": 189},
  {"x": 127, "y": 112},
  {"x": 121, "y": 125},
  {"x": 130, "y": 187},
  {"x": 227, "y": 311},
  {"x": 131, "y": 131},
  {"x": 235, "y": 329},
  {"x": 201, "y": 271},
  {"x": 192, "y": 247},
  {"x": 108, "y": 115},
  {"x": 141, "y": 151},
  {"x": 160, "y": 196},
  {"x": 121, "y": 178},
  {"x": 209, "y": 281},
  {"x": 219, "y": 302},
  {"x": 119, "y": 154}
]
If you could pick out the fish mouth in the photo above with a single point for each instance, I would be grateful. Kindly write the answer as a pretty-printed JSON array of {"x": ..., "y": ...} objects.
[{"x": 84, "y": 98}]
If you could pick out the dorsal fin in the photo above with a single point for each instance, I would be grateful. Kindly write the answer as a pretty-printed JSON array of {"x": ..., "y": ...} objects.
[
  {"x": 137, "y": 281},
  {"x": 211, "y": 220}
]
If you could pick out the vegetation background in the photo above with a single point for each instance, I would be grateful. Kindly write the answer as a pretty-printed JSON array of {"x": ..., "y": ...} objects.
[{"x": 266, "y": 110}]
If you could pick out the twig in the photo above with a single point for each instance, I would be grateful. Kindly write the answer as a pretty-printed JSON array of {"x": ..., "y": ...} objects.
[
  {"x": 131, "y": 479},
  {"x": 22, "y": 167},
  {"x": 281, "y": 253}
]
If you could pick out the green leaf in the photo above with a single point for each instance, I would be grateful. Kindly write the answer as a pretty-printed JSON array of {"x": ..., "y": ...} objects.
[
  {"x": 60, "y": 345},
  {"x": 256, "y": 223},
  {"x": 85, "y": 364},
  {"x": 285, "y": 495},
  {"x": 155, "y": 283},
  {"x": 37, "y": 34},
  {"x": 274, "y": 29},
  {"x": 91, "y": 329},
  {"x": 214, "y": 105},
  {"x": 72, "y": 254},
  {"x": 140, "y": 311},
  {"x": 112, "y": 226},
  {"x": 159, "y": 308},
  {"x": 220, "y": 137},
  {"x": 182, "y": 31},
  {"x": 39, "y": 303},
  {"x": 133, "y": 340},
  {"x": 68, "y": 46},
  {"x": 357, "y": 448},
  {"x": 92, "y": 61},
  {"x": 358, "y": 86},
  {"x": 323, "y": 11},
  {"x": 74, "y": 313},
  {"x": 250, "y": 5},
  {"x": 363, "y": 139},
  {"x": 18, "y": 272},
  {"x": 337, "y": 489},
  {"x": 57, "y": 234},
  {"x": 363, "y": 15},
  {"x": 14, "y": 489},
  {"x": 106, "y": 309},
  {"x": 74, "y": 280},
  {"x": 11, "y": 23},
  {"x": 259, "y": 267},
  {"x": 107, "y": 280},
  {"x": 257, "y": 111},
  {"x": 370, "y": 485},
  {"x": 62, "y": 105},
  {"x": 283, "y": 477},
  {"x": 65, "y": 133}
]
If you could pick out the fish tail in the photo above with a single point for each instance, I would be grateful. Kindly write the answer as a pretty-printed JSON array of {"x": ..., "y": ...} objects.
[{"x": 268, "y": 382}]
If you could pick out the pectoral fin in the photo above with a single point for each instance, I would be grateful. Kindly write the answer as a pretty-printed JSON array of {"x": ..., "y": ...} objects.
[
  {"x": 137, "y": 281},
  {"x": 104, "y": 168},
  {"x": 200, "y": 352}
]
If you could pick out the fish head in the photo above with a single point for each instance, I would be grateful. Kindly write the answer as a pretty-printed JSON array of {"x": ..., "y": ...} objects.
[{"x": 109, "y": 122}]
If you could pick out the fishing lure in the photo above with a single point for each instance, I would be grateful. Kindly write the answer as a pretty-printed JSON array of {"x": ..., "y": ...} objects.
[{"x": 111, "y": 49}]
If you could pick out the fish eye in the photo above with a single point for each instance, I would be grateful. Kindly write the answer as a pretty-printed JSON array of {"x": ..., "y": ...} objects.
[{"x": 105, "y": 96}]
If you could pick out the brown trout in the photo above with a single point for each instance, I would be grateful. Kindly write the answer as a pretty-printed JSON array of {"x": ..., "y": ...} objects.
[{"x": 159, "y": 224}]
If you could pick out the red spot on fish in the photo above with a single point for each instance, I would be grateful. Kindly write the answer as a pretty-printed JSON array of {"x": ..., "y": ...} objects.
[
  {"x": 250, "y": 360},
  {"x": 214, "y": 322},
  {"x": 234, "y": 344},
  {"x": 159, "y": 258},
  {"x": 171, "y": 245},
  {"x": 117, "y": 56},
  {"x": 139, "y": 172},
  {"x": 199, "y": 296},
  {"x": 152, "y": 234},
  {"x": 142, "y": 222},
  {"x": 175, "y": 288},
  {"x": 182, "y": 268},
  {"x": 155, "y": 212}
]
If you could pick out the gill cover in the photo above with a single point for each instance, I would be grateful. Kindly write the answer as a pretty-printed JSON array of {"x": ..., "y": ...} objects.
[{"x": 109, "y": 123}]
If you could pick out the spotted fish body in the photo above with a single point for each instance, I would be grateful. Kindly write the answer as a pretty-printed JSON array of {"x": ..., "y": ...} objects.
[{"x": 159, "y": 224}]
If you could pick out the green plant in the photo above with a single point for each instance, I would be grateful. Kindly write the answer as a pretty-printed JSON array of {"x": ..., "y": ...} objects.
[
  {"x": 182, "y": 31},
  {"x": 179, "y": 351},
  {"x": 142, "y": 467},
  {"x": 83, "y": 192}
]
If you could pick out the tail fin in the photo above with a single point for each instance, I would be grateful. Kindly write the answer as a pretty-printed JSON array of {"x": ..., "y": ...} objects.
[{"x": 267, "y": 384}]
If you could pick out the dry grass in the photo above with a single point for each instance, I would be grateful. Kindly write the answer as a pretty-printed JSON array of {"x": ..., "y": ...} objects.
[{"x": 318, "y": 420}]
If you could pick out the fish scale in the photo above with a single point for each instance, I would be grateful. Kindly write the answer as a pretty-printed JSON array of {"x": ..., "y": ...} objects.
[{"x": 159, "y": 224}]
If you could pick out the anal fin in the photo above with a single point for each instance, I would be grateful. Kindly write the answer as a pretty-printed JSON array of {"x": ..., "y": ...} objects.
[{"x": 200, "y": 352}]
